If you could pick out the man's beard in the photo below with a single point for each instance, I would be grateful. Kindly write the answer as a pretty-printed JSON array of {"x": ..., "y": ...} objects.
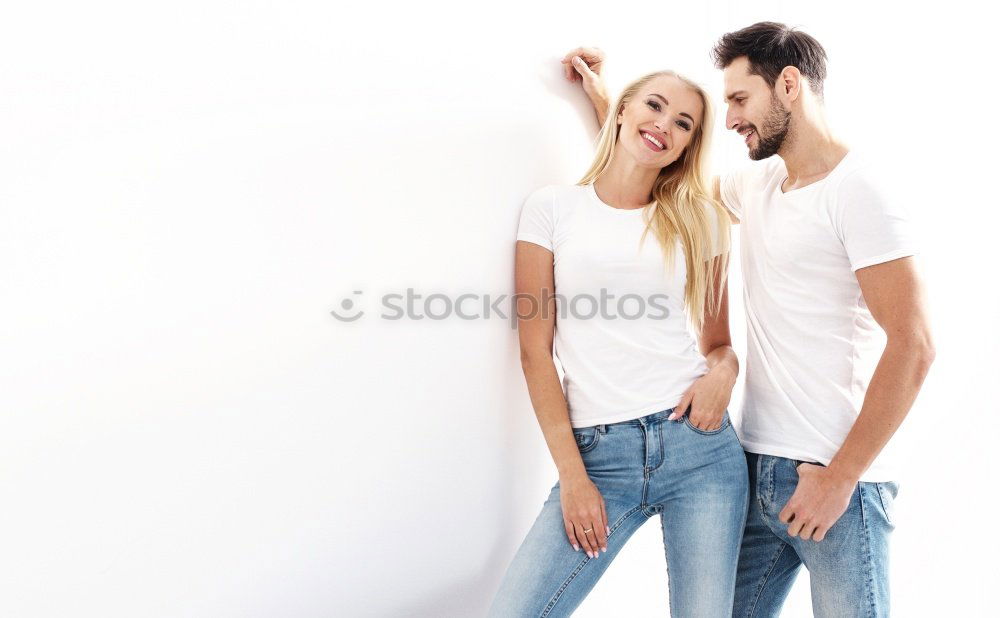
[{"x": 773, "y": 131}]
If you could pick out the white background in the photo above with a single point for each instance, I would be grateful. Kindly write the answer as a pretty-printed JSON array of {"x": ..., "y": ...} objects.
[{"x": 189, "y": 188}]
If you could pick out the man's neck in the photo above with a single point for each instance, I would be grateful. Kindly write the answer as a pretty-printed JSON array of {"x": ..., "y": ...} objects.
[{"x": 810, "y": 151}]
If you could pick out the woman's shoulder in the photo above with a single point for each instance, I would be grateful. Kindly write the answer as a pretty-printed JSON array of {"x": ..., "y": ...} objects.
[
  {"x": 562, "y": 190},
  {"x": 559, "y": 197}
]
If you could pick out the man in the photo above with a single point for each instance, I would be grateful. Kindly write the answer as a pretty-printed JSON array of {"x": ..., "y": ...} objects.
[{"x": 838, "y": 336}]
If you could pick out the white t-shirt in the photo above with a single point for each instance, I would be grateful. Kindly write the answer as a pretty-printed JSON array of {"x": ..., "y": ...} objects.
[
  {"x": 615, "y": 368},
  {"x": 812, "y": 342}
]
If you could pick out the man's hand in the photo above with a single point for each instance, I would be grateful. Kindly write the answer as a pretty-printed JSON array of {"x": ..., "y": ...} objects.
[
  {"x": 708, "y": 398},
  {"x": 584, "y": 64},
  {"x": 819, "y": 500}
]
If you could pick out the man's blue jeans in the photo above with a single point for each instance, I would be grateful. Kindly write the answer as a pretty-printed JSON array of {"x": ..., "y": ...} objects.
[
  {"x": 695, "y": 481},
  {"x": 848, "y": 569}
]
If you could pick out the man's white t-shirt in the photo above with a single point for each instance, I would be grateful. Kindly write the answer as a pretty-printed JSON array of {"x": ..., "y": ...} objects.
[
  {"x": 637, "y": 355},
  {"x": 812, "y": 342}
]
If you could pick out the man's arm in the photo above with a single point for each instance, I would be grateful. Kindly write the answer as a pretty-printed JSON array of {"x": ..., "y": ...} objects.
[
  {"x": 717, "y": 194},
  {"x": 894, "y": 294}
]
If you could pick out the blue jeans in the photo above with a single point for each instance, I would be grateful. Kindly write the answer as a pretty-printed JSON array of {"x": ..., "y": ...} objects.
[
  {"x": 848, "y": 569},
  {"x": 695, "y": 480}
]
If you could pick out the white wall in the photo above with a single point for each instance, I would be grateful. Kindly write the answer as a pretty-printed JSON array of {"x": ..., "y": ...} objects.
[{"x": 188, "y": 189}]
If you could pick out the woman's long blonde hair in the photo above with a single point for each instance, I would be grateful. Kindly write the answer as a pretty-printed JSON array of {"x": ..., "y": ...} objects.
[{"x": 684, "y": 208}]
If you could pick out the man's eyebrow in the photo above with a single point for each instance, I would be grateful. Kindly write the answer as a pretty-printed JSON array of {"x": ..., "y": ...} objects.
[
  {"x": 734, "y": 94},
  {"x": 685, "y": 114}
]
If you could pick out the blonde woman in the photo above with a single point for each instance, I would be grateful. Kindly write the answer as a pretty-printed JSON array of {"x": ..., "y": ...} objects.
[{"x": 639, "y": 425}]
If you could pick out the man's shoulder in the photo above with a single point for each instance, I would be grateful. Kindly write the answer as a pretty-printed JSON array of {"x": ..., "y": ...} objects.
[
  {"x": 756, "y": 171},
  {"x": 859, "y": 176}
]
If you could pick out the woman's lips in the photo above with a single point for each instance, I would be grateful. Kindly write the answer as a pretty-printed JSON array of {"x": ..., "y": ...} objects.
[{"x": 649, "y": 144}]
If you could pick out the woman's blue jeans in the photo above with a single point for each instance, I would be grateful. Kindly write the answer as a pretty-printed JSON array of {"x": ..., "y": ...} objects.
[{"x": 696, "y": 481}]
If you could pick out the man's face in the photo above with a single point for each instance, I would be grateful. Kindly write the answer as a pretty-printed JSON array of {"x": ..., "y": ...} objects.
[{"x": 754, "y": 110}]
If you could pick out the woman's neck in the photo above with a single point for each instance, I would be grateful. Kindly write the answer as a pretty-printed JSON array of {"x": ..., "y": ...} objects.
[{"x": 625, "y": 184}]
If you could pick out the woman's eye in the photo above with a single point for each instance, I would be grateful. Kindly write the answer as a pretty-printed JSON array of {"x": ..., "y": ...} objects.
[
  {"x": 684, "y": 126},
  {"x": 654, "y": 105}
]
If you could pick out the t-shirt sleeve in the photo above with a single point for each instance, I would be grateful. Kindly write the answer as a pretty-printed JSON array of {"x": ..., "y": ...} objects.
[
  {"x": 731, "y": 188},
  {"x": 873, "y": 228},
  {"x": 537, "y": 222}
]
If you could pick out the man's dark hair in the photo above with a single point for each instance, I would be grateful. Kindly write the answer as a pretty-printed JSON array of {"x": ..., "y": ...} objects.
[{"x": 770, "y": 47}]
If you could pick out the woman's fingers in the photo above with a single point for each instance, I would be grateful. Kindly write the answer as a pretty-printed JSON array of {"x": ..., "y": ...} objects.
[
  {"x": 604, "y": 516},
  {"x": 593, "y": 536},
  {"x": 586, "y": 538},
  {"x": 585, "y": 517},
  {"x": 568, "y": 71},
  {"x": 706, "y": 419},
  {"x": 592, "y": 56},
  {"x": 582, "y": 68},
  {"x": 681, "y": 407},
  {"x": 571, "y": 535},
  {"x": 600, "y": 532}
]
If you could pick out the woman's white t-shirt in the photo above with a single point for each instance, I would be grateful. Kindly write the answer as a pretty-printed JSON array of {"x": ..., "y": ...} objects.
[{"x": 621, "y": 332}]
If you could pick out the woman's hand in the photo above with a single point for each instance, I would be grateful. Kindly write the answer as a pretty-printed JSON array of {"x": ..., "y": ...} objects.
[
  {"x": 584, "y": 516},
  {"x": 585, "y": 64},
  {"x": 708, "y": 398}
]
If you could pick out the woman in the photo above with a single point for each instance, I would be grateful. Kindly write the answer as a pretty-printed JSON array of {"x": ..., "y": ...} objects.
[{"x": 639, "y": 425}]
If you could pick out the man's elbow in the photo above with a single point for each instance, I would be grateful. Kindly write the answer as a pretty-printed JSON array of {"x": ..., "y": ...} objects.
[
  {"x": 925, "y": 355},
  {"x": 920, "y": 347}
]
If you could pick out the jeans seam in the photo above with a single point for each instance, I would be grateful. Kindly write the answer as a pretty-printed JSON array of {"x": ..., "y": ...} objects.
[
  {"x": 869, "y": 567},
  {"x": 670, "y": 586},
  {"x": 576, "y": 571},
  {"x": 763, "y": 581}
]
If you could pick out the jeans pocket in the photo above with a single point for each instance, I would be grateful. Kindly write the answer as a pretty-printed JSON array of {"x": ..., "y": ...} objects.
[
  {"x": 586, "y": 438},
  {"x": 887, "y": 491},
  {"x": 712, "y": 432}
]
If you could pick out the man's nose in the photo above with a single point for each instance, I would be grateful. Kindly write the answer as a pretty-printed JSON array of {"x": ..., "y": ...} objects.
[{"x": 732, "y": 121}]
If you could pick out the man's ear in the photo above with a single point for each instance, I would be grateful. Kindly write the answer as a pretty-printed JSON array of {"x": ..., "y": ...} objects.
[{"x": 790, "y": 83}]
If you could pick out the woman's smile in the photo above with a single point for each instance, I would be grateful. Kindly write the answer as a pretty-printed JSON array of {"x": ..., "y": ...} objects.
[{"x": 653, "y": 142}]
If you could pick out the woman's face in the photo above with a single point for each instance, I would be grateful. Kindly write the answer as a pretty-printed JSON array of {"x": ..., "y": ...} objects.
[{"x": 659, "y": 122}]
